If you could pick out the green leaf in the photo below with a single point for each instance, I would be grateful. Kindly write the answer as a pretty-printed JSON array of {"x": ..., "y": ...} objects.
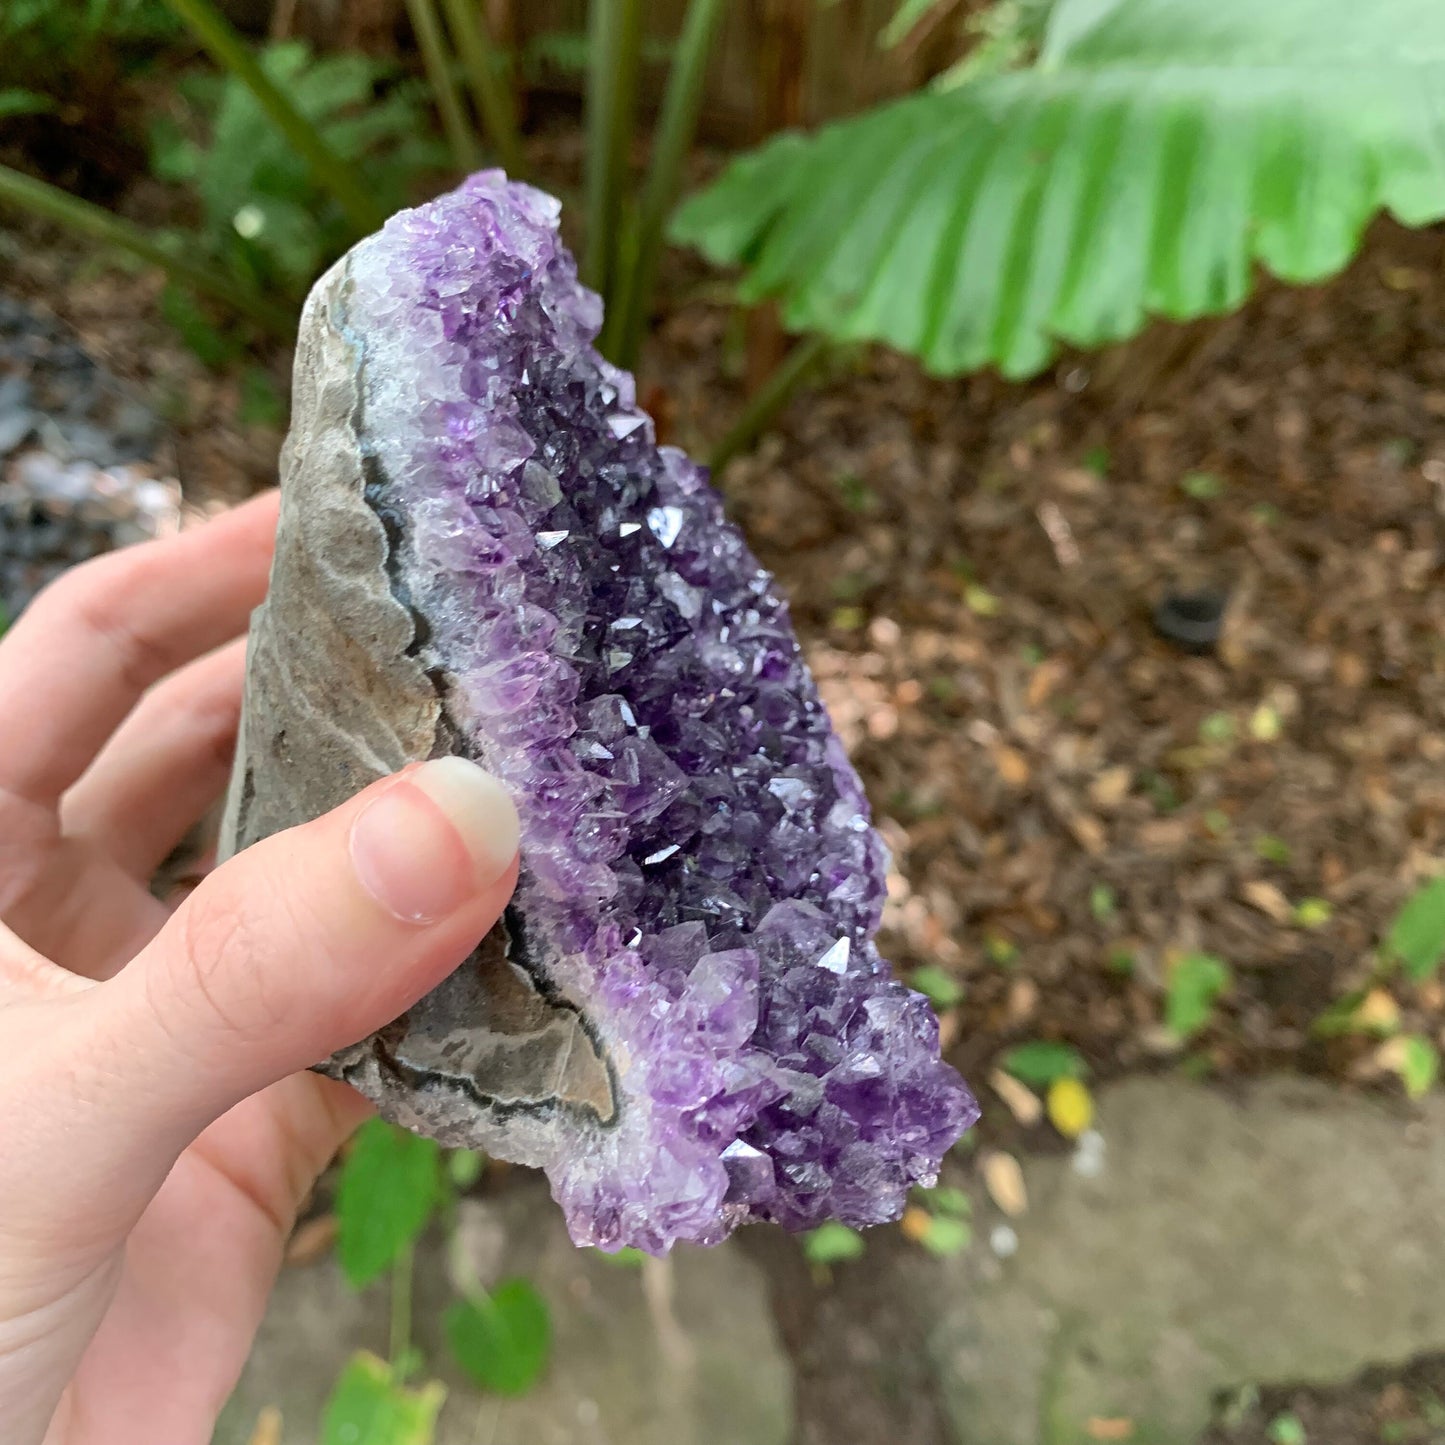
[
  {"x": 369, "y": 1407},
  {"x": 212, "y": 345},
  {"x": 1340, "y": 1017},
  {"x": 904, "y": 22},
  {"x": 1202, "y": 486},
  {"x": 946, "y": 1199},
  {"x": 174, "y": 156},
  {"x": 261, "y": 403},
  {"x": 263, "y": 210},
  {"x": 1417, "y": 936},
  {"x": 624, "y": 1258},
  {"x": 390, "y": 1184},
  {"x": 1195, "y": 983},
  {"x": 1272, "y": 849},
  {"x": 567, "y": 50},
  {"x": 1155, "y": 156},
  {"x": 942, "y": 989},
  {"x": 1043, "y": 1061},
  {"x": 1103, "y": 902},
  {"x": 981, "y": 600},
  {"x": 1286, "y": 1429},
  {"x": 16, "y": 101},
  {"x": 832, "y": 1243},
  {"x": 465, "y": 1167},
  {"x": 1000, "y": 950},
  {"x": 502, "y": 1340},
  {"x": 1217, "y": 728},
  {"x": 946, "y": 1237},
  {"x": 1419, "y": 1065},
  {"x": 1120, "y": 960}
]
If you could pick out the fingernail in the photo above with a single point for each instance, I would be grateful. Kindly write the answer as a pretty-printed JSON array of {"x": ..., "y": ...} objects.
[{"x": 427, "y": 845}]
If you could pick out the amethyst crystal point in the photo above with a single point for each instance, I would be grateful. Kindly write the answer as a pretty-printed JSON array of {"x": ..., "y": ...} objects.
[{"x": 683, "y": 1018}]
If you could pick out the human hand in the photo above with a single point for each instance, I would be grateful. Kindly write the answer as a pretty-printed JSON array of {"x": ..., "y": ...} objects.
[{"x": 156, "y": 1133}]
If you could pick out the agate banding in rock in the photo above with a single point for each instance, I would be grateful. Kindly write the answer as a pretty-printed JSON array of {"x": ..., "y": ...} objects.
[{"x": 683, "y": 1017}]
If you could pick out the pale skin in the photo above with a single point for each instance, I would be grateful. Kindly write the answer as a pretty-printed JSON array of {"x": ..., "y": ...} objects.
[{"x": 158, "y": 1131}]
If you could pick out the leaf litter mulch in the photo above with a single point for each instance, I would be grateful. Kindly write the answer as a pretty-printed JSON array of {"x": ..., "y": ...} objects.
[{"x": 1076, "y": 807}]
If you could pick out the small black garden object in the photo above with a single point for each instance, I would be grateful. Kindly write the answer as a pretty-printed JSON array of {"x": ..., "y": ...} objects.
[{"x": 1192, "y": 621}]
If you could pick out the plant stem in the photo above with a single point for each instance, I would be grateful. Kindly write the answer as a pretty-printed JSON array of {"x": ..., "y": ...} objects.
[
  {"x": 331, "y": 172},
  {"x": 401, "y": 1279},
  {"x": 675, "y": 129},
  {"x": 433, "y": 46},
  {"x": 615, "y": 30},
  {"x": 783, "y": 30},
  {"x": 770, "y": 400},
  {"x": 43, "y": 199},
  {"x": 490, "y": 92}
]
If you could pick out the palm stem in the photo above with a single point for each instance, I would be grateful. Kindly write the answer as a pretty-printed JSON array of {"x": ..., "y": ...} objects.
[
  {"x": 676, "y": 126},
  {"x": 490, "y": 93},
  {"x": 616, "y": 47},
  {"x": 42, "y": 199},
  {"x": 432, "y": 43},
  {"x": 331, "y": 172},
  {"x": 765, "y": 405}
]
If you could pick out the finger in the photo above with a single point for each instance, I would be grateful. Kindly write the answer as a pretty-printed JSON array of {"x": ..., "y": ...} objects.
[
  {"x": 271, "y": 1147},
  {"x": 246, "y": 1176},
  {"x": 94, "y": 641},
  {"x": 296, "y": 947},
  {"x": 166, "y": 765},
  {"x": 75, "y": 906}
]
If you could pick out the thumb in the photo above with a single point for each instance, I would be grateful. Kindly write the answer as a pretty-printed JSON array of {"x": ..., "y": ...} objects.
[
  {"x": 292, "y": 949},
  {"x": 311, "y": 939}
]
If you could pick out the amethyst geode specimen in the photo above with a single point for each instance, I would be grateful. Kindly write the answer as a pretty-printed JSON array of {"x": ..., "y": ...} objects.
[{"x": 683, "y": 1018}]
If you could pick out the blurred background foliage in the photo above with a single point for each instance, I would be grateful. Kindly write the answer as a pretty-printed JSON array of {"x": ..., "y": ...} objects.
[{"x": 1062, "y": 172}]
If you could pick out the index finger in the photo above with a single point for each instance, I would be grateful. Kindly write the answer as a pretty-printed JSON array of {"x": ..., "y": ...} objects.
[{"x": 88, "y": 647}]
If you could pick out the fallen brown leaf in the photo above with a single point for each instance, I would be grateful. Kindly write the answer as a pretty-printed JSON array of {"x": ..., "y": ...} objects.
[
  {"x": 915, "y": 1223},
  {"x": 1351, "y": 671},
  {"x": 311, "y": 1240},
  {"x": 1101, "y": 1428},
  {"x": 1023, "y": 999},
  {"x": 1269, "y": 899},
  {"x": 1378, "y": 1012},
  {"x": 1090, "y": 834},
  {"x": 950, "y": 1025},
  {"x": 267, "y": 1430},
  {"x": 1163, "y": 835},
  {"x": 1023, "y": 1103},
  {"x": 1045, "y": 678},
  {"x": 1012, "y": 766},
  {"x": 1004, "y": 1181},
  {"x": 1111, "y": 787}
]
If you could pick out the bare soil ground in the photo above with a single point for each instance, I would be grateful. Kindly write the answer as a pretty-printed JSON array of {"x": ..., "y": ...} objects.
[{"x": 1072, "y": 801}]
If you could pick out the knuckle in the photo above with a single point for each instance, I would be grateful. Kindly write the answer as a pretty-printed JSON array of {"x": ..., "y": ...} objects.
[
  {"x": 98, "y": 597},
  {"x": 221, "y": 979},
  {"x": 94, "y": 585},
  {"x": 215, "y": 720}
]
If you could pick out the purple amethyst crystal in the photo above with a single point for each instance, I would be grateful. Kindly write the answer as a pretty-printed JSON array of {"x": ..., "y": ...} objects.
[{"x": 684, "y": 1018}]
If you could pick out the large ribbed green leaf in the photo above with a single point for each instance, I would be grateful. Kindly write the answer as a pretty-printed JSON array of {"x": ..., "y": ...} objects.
[{"x": 1154, "y": 154}]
